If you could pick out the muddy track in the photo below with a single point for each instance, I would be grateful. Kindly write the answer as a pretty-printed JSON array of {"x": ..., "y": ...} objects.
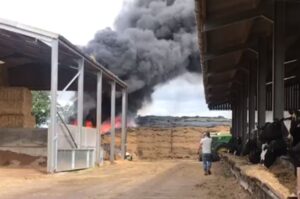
[{"x": 127, "y": 180}]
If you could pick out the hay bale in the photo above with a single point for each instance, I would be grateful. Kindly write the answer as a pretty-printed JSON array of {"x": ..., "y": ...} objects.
[
  {"x": 3, "y": 76},
  {"x": 14, "y": 107},
  {"x": 29, "y": 122},
  {"x": 15, "y": 100},
  {"x": 16, "y": 94},
  {"x": 17, "y": 121}
]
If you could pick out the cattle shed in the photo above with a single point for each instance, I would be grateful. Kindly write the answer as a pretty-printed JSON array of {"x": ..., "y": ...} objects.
[
  {"x": 40, "y": 60},
  {"x": 250, "y": 52}
]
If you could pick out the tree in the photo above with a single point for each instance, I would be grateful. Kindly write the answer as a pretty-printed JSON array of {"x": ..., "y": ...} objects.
[{"x": 40, "y": 106}]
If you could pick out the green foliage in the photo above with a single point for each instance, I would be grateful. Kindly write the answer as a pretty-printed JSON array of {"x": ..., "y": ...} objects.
[{"x": 40, "y": 106}]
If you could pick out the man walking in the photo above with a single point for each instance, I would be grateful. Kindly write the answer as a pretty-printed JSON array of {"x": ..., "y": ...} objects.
[{"x": 205, "y": 144}]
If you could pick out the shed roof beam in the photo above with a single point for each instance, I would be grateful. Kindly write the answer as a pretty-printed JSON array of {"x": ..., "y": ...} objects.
[
  {"x": 227, "y": 72},
  {"x": 237, "y": 68},
  {"x": 217, "y": 95},
  {"x": 92, "y": 62},
  {"x": 218, "y": 53},
  {"x": 219, "y": 101},
  {"x": 225, "y": 85},
  {"x": 211, "y": 25},
  {"x": 228, "y": 85}
]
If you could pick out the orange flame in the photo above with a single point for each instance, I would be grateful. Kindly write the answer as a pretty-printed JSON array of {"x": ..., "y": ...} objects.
[{"x": 106, "y": 126}]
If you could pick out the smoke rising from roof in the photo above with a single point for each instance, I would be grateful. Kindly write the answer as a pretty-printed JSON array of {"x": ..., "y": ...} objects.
[{"x": 154, "y": 42}]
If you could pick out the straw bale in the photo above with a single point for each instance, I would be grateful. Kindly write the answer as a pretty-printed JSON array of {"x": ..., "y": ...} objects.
[
  {"x": 17, "y": 121},
  {"x": 13, "y": 107},
  {"x": 3, "y": 76},
  {"x": 15, "y": 100},
  {"x": 16, "y": 94}
]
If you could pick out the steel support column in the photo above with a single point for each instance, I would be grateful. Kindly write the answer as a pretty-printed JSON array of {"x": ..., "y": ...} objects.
[
  {"x": 278, "y": 59},
  {"x": 99, "y": 117},
  {"x": 251, "y": 99},
  {"x": 124, "y": 124},
  {"x": 52, "y": 131},
  {"x": 235, "y": 115},
  {"x": 261, "y": 83},
  {"x": 80, "y": 100},
  {"x": 239, "y": 116},
  {"x": 244, "y": 113},
  {"x": 112, "y": 121},
  {"x": 233, "y": 121}
]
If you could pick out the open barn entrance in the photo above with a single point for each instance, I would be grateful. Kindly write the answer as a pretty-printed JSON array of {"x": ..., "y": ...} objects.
[{"x": 34, "y": 60}]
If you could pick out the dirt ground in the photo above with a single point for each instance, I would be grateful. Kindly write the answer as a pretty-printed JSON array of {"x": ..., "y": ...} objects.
[{"x": 181, "y": 179}]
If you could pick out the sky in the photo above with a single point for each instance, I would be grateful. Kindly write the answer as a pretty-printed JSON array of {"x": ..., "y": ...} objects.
[
  {"x": 79, "y": 20},
  {"x": 182, "y": 96}
]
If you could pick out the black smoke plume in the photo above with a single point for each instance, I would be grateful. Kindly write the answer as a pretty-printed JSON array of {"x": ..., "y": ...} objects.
[{"x": 153, "y": 42}]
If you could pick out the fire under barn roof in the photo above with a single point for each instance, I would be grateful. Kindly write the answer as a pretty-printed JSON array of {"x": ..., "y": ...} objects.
[
  {"x": 250, "y": 52},
  {"x": 41, "y": 60}
]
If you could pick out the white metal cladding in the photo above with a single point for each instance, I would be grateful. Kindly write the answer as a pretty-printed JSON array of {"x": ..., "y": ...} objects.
[
  {"x": 67, "y": 134},
  {"x": 73, "y": 159}
]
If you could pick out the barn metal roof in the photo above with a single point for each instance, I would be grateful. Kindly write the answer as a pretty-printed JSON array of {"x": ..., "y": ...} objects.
[
  {"x": 25, "y": 54},
  {"x": 230, "y": 33}
]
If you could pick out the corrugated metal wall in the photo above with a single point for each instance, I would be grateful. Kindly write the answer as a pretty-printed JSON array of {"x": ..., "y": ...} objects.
[{"x": 292, "y": 99}]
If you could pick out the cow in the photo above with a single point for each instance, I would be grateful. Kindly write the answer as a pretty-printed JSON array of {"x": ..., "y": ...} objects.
[
  {"x": 294, "y": 153},
  {"x": 235, "y": 145},
  {"x": 275, "y": 149},
  {"x": 274, "y": 138},
  {"x": 273, "y": 131},
  {"x": 249, "y": 146},
  {"x": 295, "y": 127},
  {"x": 252, "y": 148},
  {"x": 294, "y": 148},
  {"x": 264, "y": 149},
  {"x": 254, "y": 153}
]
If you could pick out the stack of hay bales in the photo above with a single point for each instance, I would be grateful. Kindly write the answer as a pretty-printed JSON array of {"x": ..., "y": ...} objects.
[
  {"x": 159, "y": 143},
  {"x": 15, "y": 108}
]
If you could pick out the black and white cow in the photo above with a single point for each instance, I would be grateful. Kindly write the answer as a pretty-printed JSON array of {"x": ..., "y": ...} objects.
[
  {"x": 275, "y": 149},
  {"x": 254, "y": 152},
  {"x": 274, "y": 138},
  {"x": 264, "y": 150},
  {"x": 294, "y": 149},
  {"x": 252, "y": 148},
  {"x": 275, "y": 142},
  {"x": 295, "y": 127},
  {"x": 235, "y": 145}
]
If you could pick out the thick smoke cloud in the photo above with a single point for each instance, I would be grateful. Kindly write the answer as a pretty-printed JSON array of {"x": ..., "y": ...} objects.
[{"x": 154, "y": 41}]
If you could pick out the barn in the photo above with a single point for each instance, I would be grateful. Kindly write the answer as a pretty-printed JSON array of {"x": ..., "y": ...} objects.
[{"x": 32, "y": 59}]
